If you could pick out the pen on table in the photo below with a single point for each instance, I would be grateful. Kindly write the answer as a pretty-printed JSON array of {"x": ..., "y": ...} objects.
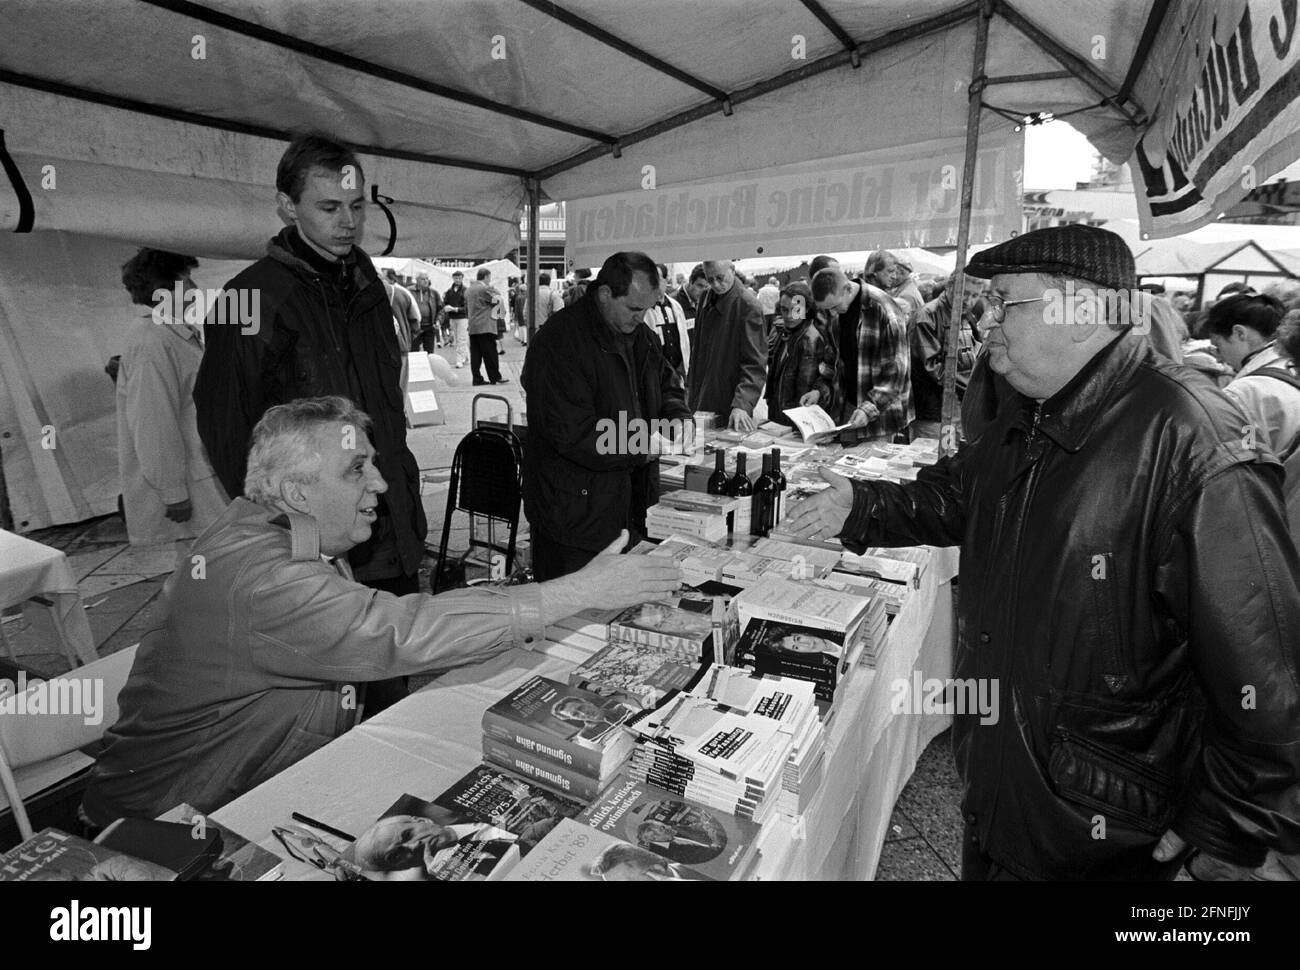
[{"x": 308, "y": 820}]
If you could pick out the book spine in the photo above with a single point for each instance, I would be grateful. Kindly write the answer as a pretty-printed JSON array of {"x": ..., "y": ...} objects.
[
  {"x": 542, "y": 745},
  {"x": 541, "y": 772}
]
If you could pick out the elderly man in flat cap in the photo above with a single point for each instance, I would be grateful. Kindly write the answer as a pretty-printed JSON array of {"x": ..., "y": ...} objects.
[{"x": 1128, "y": 583}]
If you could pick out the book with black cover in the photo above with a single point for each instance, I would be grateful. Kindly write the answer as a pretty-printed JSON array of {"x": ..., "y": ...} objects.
[{"x": 239, "y": 860}]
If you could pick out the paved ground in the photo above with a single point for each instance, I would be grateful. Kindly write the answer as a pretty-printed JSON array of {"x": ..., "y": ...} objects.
[{"x": 121, "y": 588}]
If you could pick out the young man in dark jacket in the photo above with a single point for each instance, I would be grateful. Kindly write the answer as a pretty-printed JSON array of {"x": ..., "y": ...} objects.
[
  {"x": 325, "y": 327},
  {"x": 1130, "y": 593},
  {"x": 597, "y": 383}
]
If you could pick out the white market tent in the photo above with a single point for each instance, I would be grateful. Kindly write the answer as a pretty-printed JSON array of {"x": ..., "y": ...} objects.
[
  {"x": 159, "y": 122},
  {"x": 439, "y": 276}
]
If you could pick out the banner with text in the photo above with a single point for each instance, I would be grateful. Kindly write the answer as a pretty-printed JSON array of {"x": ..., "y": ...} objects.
[
  {"x": 1232, "y": 123},
  {"x": 904, "y": 197}
]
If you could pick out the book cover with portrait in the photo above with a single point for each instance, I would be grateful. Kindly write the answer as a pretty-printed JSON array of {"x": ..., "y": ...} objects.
[
  {"x": 713, "y": 842},
  {"x": 573, "y": 852}
]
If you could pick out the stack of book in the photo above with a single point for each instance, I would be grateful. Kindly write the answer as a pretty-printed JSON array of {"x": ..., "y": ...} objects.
[
  {"x": 691, "y": 514},
  {"x": 563, "y": 737},
  {"x": 700, "y": 562},
  {"x": 905, "y": 565},
  {"x": 640, "y": 674},
  {"x": 714, "y": 755},
  {"x": 809, "y": 562},
  {"x": 476, "y": 830},
  {"x": 894, "y": 595},
  {"x": 689, "y": 628},
  {"x": 712, "y": 842},
  {"x": 808, "y": 632},
  {"x": 585, "y": 630},
  {"x": 792, "y": 704}
]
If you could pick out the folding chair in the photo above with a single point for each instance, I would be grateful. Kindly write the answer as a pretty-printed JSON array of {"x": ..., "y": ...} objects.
[
  {"x": 41, "y": 751},
  {"x": 486, "y": 482}
]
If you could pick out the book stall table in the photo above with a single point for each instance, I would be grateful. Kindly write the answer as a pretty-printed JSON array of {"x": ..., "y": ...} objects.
[
  {"x": 32, "y": 571},
  {"x": 431, "y": 739}
]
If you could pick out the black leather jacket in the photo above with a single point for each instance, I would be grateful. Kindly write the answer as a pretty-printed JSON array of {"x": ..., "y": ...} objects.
[
  {"x": 575, "y": 376},
  {"x": 1128, "y": 581}
]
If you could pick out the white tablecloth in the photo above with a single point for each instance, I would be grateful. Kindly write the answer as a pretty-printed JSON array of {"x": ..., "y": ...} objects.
[
  {"x": 429, "y": 740},
  {"x": 29, "y": 569}
]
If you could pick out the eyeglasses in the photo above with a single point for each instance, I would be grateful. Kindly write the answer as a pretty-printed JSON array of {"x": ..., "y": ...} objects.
[{"x": 996, "y": 307}]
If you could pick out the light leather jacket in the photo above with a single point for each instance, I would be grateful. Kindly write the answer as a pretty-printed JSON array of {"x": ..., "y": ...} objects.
[{"x": 262, "y": 659}]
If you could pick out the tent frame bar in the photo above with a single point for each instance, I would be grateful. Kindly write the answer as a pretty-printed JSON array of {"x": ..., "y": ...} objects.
[
  {"x": 943, "y": 21},
  {"x": 534, "y": 256},
  {"x": 247, "y": 28},
  {"x": 586, "y": 27},
  {"x": 1023, "y": 78},
  {"x": 830, "y": 23},
  {"x": 949, "y": 414},
  {"x": 1076, "y": 66},
  {"x": 239, "y": 127},
  {"x": 1155, "y": 21}
]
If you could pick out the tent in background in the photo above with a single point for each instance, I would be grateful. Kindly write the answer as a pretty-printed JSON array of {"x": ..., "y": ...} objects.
[
  {"x": 439, "y": 276},
  {"x": 464, "y": 109}
]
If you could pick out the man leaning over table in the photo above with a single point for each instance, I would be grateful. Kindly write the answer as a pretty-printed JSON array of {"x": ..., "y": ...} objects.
[
  {"x": 1128, "y": 585},
  {"x": 267, "y": 642}
]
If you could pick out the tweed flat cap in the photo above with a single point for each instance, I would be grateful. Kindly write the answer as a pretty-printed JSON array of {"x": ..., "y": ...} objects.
[{"x": 1084, "y": 252}]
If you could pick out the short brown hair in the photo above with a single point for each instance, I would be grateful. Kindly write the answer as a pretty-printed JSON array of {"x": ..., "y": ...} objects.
[{"x": 312, "y": 151}]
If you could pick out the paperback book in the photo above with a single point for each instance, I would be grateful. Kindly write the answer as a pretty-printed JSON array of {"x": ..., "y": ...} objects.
[
  {"x": 489, "y": 794},
  {"x": 633, "y": 672},
  {"x": 420, "y": 841},
  {"x": 54, "y": 856},
  {"x": 561, "y": 725},
  {"x": 573, "y": 852},
  {"x": 713, "y": 842},
  {"x": 796, "y": 651}
]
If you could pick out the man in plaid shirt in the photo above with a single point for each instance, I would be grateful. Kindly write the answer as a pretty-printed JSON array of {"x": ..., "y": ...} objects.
[{"x": 874, "y": 351}]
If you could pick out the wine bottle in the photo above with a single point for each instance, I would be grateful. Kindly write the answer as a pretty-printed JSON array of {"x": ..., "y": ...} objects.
[
  {"x": 778, "y": 507},
  {"x": 760, "y": 515},
  {"x": 717, "y": 484},
  {"x": 740, "y": 484}
]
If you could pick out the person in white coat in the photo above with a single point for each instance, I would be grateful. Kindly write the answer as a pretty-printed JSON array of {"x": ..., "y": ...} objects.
[{"x": 169, "y": 490}]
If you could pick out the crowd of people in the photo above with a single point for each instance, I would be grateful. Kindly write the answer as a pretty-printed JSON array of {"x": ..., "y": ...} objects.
[{"x": 1100, "y": 474}]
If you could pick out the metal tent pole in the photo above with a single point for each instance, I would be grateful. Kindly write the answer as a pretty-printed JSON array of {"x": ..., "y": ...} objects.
[
  {"x": 950, "y": 417},
  {"x": 534, "y": 255}
]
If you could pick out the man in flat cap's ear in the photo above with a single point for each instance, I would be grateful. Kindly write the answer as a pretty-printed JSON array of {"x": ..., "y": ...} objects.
[{"x": 1130, "y": 592}]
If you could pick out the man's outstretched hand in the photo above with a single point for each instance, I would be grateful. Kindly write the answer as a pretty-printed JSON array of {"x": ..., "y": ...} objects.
[
  {"x": 822, "y": 516},
  {"x": 613, "y": 580}
]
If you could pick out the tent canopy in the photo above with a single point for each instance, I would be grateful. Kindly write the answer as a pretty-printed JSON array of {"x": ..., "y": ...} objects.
[
  {"x": 454, "y": 105},
  {"x": 160, "y": 123}
]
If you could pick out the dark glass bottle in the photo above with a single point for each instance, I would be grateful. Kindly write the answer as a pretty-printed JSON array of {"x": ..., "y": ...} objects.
[
  {"x": 778, "y": 507},
  {"x": 717, "y": 484},
  {"x": 764, "y": 503},
  {"x": 740, "y": 483}
]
